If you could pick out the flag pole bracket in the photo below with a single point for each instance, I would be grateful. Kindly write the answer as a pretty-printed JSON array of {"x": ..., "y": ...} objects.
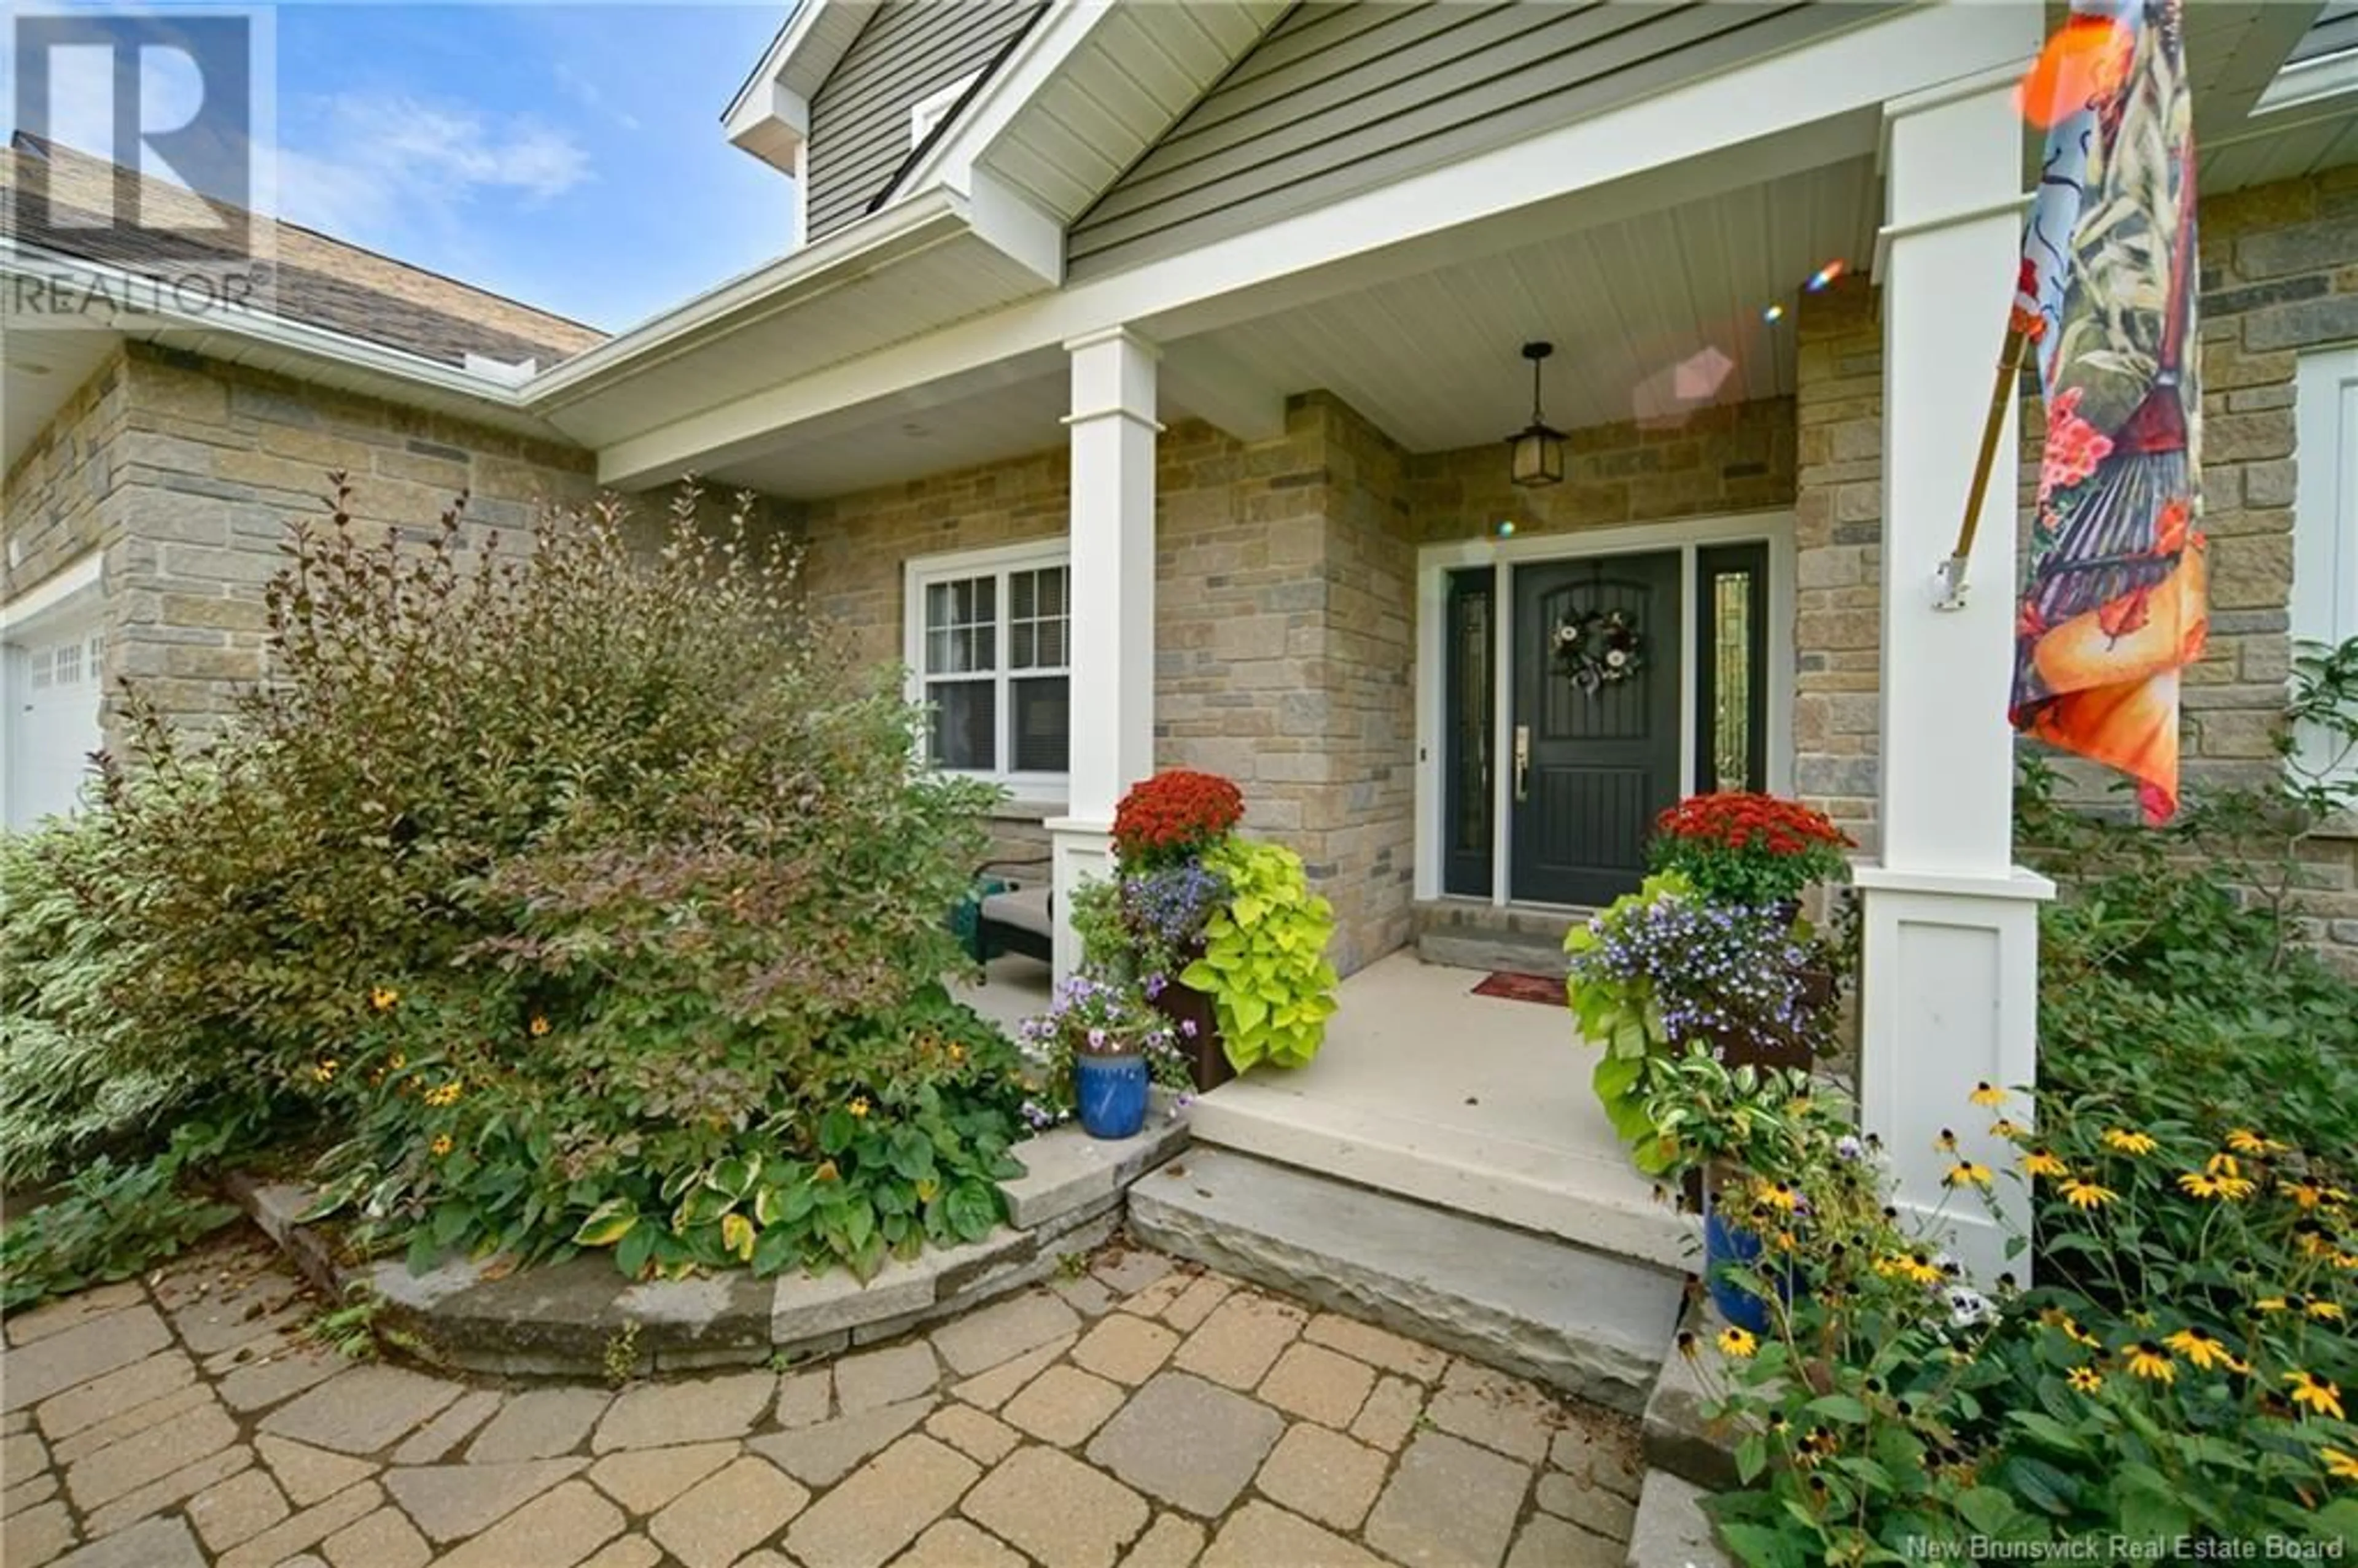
[{"x": 1949, "y": 584}]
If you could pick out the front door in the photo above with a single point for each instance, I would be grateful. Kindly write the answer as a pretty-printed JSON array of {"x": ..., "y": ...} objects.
[{"x": 1591, "y": 769}]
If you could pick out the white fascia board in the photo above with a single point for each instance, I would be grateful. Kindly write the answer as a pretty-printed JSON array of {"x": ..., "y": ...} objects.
[
  {"x": 1771, "y": 113},
  {"x": 68, "y": 582},
  {"x": 1019, "y": 79},
  {"x": 770, "y": 122},
  {"x": 151, "y": 315},
  {"x": 2309, "y": 83},
  {"x": 856, "y": 248}
]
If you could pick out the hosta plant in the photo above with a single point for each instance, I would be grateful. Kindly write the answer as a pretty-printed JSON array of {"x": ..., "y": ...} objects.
[{"x": 1264, "y": 962}]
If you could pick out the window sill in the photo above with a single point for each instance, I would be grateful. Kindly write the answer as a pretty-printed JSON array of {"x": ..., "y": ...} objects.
[{"x": 1027, "y": 810}]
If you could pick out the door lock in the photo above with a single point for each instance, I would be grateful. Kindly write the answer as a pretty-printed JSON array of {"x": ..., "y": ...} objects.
[{"x": 1522, "y": 761}]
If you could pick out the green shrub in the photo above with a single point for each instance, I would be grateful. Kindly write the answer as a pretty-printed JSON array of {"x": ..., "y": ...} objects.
[
  {"x": 1264, "y": 962},
  {"x": 109, "y": 1222},
  {"x": 601, "y": 882},
  {"x": 78, "y": 1072}
]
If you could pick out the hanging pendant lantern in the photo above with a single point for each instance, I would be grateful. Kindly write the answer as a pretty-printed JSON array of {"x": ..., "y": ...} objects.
[{"x": 1536, "y": 449}]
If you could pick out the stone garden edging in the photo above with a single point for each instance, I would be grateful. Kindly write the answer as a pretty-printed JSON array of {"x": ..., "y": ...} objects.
[{"x": 582, "y": 1319}]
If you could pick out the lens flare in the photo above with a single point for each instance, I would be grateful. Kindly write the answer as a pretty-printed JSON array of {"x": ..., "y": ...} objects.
[
  {"x": 1824, "y": 275},
  {"x": 1774, "y": 313}
]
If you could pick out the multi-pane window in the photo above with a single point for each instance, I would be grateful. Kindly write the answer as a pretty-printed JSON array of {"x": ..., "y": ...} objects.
[{"x": 992, "y": 641}]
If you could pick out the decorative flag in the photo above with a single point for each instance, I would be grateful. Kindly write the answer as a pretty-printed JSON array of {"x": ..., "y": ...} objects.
[{"x": 2113, "y": 605}]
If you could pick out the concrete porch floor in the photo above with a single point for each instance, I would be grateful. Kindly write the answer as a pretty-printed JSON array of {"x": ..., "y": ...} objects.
[{"x": 1473, "y": 1103}]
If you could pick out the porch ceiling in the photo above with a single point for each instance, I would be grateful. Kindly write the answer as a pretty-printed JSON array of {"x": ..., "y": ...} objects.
[{"x": 1652, "y": 317}]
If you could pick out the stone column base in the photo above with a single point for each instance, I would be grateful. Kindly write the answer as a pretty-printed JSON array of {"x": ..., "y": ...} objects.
[
  {"x": 1950, "y": 1001},
  {"x": 1080, "y": 850}
]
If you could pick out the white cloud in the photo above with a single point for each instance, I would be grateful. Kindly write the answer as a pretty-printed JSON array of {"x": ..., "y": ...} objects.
[
  {"x": 386, "y": 167},
  {"x": 592, "y": 96}
]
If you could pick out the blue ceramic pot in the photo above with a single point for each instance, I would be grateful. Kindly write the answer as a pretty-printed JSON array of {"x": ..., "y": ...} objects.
[
  {"x": 1113, "y": 1094},
  {"x": 1725, "y": 1243}
]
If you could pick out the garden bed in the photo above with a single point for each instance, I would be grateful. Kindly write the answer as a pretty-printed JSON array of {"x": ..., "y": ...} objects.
[{"x": 582, "y": 1318}]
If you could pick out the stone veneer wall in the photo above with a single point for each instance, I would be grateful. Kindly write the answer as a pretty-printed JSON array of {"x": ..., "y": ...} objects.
[
  {"x": 2280, "y": 276},
  {"x": 1283, "y": 630},
  {"x": 186, "y": 472}
]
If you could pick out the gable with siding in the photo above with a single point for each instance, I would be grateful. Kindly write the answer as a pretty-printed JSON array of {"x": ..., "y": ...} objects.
[
  {"x": 1344, "y": 95},
  {"x": 909, "y": 50}
]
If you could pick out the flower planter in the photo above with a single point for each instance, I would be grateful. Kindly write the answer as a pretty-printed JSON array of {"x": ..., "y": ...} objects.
[
  {"x": 1111, "y": 1094},
  {"x": 1726, "y": 1244},
  {"x": 1207, "y": 1058}
]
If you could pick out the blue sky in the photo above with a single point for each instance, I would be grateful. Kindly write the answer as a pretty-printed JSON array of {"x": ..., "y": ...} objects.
[{"x": 567, "y": 154}]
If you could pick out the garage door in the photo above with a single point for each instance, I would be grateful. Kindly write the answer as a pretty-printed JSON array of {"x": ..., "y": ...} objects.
[{"x": 55, "y": 678}]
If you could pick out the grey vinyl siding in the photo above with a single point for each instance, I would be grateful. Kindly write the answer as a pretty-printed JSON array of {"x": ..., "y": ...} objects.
[
  {"x": 1344, "y": 95},
  {"x": 860, "y": 118}
]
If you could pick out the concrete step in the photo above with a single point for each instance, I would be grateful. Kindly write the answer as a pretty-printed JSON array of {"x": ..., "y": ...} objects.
[
  {"x": 1585, "y": 1192},
  {"x": 1467, "y": 934},
  {"x": 1594, "y": 1327}
]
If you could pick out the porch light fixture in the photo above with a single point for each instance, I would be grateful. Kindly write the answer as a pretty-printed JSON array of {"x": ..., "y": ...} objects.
[{"x": 1536, "y": 448}]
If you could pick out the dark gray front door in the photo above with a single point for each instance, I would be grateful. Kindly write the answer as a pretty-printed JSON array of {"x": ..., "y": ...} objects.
[{"x": 1591, "y": 769}]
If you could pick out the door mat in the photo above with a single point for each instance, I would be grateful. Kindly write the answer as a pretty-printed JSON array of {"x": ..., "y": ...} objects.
[{"x": 1517, "y": 986}]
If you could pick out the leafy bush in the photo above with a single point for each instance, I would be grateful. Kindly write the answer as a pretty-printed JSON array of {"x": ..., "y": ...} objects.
[
  {"x": 1264, "y": 962},
  {"x": 599, "y": 882},
  {"x": 78, "y": 1072},
  {"x": 109, "y": 1222}
]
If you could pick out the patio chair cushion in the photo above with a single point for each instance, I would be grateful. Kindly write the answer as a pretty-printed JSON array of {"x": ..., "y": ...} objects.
[{"x": 1025, "y": 909}]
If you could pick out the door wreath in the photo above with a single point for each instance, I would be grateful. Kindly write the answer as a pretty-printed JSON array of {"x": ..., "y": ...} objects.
[{"x": 1598, "y": 648}]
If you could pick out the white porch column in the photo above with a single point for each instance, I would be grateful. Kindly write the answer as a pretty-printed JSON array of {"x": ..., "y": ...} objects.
[
  {"x": 1112, "y": 657},
  {"x": 1950, "y": 989}
]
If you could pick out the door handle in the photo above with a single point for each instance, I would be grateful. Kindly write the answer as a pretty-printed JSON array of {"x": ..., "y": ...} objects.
[{"x": 1522, "y": 761}]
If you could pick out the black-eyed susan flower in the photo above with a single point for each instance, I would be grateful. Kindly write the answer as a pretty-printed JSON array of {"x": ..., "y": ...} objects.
[
  {"x": 1688, "y": 1344},
  {"x": 2325, "y": 1312},
  {"x": 1967, "y": 1174},
  {"x": 382, "y": 998},
  {"x": 2313, "y": 1392},
  {"x": 2221, "y": 1188},
  {"x": 2087, "y": 1379},
  {"x": 2009, "y": 1129},
  {"x": 2200, "y": 1349},
  {"x": 1913, "y": 1267},
  {"x": 1783, "y": 1196},
  {"x": 2087, "y": 1194},
  {"x": 2145, "y": 1359},
  {"x": 1947, "y": 1142},
  {"x": 441, "y": 1145},
  {"x": 2339, "y": 1464},
  {"x": 2307, "y": 1194},
  {"x": 958, "y": 1051},
  {"x": 324, "y": 1071},
  {"x": 859, "y": 1108},
  {"x": 2244, "y": 1140},
  {"x": 1737, "y": 1342},
  {"x": 2286, "y": 1303},
  {"x": 2129, "y": 1142},
  {"x": 1987, "y": 1094},
  {"x": 539, "y": 1024},
  {"x": 445, "y": 1094},
  {"x": 2039, "y": 1163}
]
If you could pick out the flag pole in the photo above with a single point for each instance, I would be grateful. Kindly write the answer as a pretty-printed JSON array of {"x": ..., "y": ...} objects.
[{"x": 1950, "y": 578}]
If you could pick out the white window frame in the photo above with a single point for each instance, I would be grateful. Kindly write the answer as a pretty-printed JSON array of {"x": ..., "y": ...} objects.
[
  {"x": 928, "y": 111},
  {"x": 2324, "y": 607},
  {"x": 921, "y": 572}
]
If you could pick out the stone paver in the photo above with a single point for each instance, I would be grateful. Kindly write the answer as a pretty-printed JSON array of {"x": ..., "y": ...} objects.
[
  {"x": 383, "y": 1540},
  {"x": 1551, "y": 1543},
  {"x": 1318, "y": 1385},
  {"x": 1260, "y": 1536},
  {"x": 363, "y": 1410},
  {"x": 1063, "y": 1405},
  {"x": 1191, "y": 1443},
  {"x": 539, "y": 1423},
  {"x": 1126, "y": 1348},
  {"x": 1495, "y": 1410},
  {"x": 876, "y": 1513},
  {"x": 1324, "y": 1475},
  {"x": 820, "y": 1455},
  {"x": 452, "y": 1502},
  {"x": 954, "y": 1543},
  {"x": 1057, "y": 1508},
  {"x": 874, "y": 1378},
  {"x": 1000, "y": 1332},
  {"x": 644, "y": 1479},
  {"x": 237, "y": 1509},
  {"x": 657, "y": 1415},
  {"x": 981, "y": 1436},
  {"x": 714, "y": 1521},
  {"x": 1239, "y": 1340},
  {"x": 1390, "y": 1414},
  {"x": 310, "y": 1474},
  {"x": 1448, "y": 1502},
  {"x": 1131, "y": 1412},
  {"x": 1375, "y": 1347}
]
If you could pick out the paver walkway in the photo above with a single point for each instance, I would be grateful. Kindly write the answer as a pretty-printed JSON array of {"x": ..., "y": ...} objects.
[{"x": 1138, "y": 1411}]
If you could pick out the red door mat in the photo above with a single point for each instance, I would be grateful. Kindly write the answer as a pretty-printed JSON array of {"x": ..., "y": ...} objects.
[{"x": 1522, "y": 988}]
